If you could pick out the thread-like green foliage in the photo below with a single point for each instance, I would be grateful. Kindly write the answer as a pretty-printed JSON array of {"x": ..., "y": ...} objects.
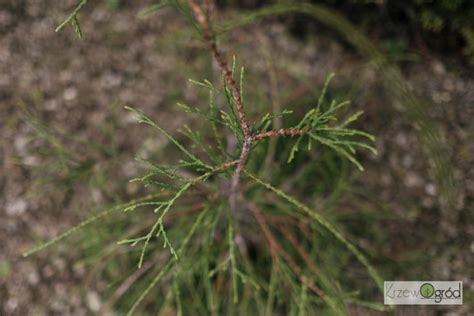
[
  {"x": 89, "y": 221},
  {"x": 416, "y": 109},
  {"x": 325, "y": 223},
  {"x": 72, "y": 18},
  {"x": 169, "y": 265},
  {"x": 320, "y": 121},
  {"x": 317, "y": 121},
  {"x": 208, "y": 262},
  {"x": 175, "y": 182}
]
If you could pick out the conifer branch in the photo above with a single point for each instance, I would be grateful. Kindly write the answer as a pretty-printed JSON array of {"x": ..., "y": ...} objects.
[
  {"x": 89, "y": 221},
  {"x": 158, "y": 226},
  {"x": 203, "y": 20}
]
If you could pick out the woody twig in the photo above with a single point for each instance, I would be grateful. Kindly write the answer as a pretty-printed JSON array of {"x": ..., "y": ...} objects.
[{"x": 248, "y": 138}]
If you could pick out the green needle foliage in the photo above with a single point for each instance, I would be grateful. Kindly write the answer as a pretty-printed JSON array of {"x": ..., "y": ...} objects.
[
  {"x": 72, "y": 18},
  {"x": 269, "y": 257},
  {"x": 415, "y": 108},
  {"x": 337, "y": 137}
]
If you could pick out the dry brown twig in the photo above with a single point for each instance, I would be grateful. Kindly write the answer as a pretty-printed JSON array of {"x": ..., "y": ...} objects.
[
  {"x": 301, "y": 250},
  {"x": 275, "y": 248}
]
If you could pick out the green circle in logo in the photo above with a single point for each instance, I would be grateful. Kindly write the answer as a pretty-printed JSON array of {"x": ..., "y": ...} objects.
[{"x": 427, "y": 290}]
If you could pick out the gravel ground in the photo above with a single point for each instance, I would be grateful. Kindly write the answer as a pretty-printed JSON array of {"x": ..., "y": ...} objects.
[{"x": 78, "y": 88}]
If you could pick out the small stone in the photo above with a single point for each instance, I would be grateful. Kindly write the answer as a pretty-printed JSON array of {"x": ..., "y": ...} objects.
[
  {"x": 407, "y": 161},
  {"x": 16, "y": 207},
  {"x": 60, "y": 264},
  {"x": 33, "y": 278},
  {"x": 438, "y": 68},
  {"x": 79, "y": 269},
  {"x": 401, "y": 139},
  {"x": 97, "y": 196},
  {"x": 412, "y": 180},
  {"x": 20, "y": 144},
  {"x": 129, "y": 169},
  {"x": 111, "y": 80},
  {"x": 11, "y": 304},
  {"x": 70, "y": 94},
  {"x": 430, "y": 189},
  {"x": 93, "y": 301},
  {"x": 31, "y": 161}
]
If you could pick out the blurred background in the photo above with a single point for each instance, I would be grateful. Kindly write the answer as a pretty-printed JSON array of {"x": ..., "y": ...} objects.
[{"x": 67, "y": 146}]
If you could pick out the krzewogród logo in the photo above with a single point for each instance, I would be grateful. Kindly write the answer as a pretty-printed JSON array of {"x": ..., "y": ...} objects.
[{"x": 423, "y": 292}]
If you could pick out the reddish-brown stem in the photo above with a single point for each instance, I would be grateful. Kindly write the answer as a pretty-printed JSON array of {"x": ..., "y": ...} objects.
[
  {"x": 203, "y": 21},
  {"x": 280, "y": 132},
  {"x": 273, "y": 243},
  {"x": 234, "y": 187},
  {"x": 226, "y": 72},
  {"x": 266, "y": 231},
  {"x": 228, "y": 165}
]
